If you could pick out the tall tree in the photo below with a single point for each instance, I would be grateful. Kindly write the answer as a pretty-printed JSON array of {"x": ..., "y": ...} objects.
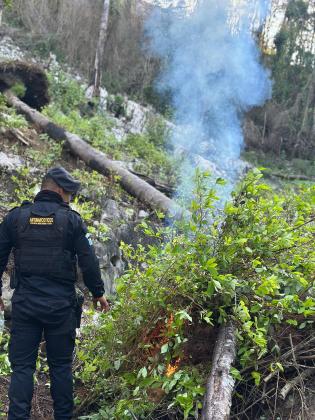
[
  {"x": 1, "y": 10},
  {"x": 97, "y": 74}
]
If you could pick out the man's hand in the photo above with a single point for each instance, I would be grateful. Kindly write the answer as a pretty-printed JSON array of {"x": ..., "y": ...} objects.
[
  {"x": 1, "y": 305},
  {"x": 103, "y": 302}
]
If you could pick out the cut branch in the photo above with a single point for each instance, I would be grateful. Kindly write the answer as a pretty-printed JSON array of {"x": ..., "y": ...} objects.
[
  {"x": 220, "y": 385},
  {"x": 298, "y": 379},
  {"x": 17, "y": 134},
  {"x": 98, "y": 160}
]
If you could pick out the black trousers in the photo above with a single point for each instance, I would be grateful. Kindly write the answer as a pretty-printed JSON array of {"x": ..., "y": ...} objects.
[{"x": 28, "y": 326}]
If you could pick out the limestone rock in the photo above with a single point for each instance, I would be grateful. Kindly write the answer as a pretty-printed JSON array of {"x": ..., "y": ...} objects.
[
  {"x": 111, "y": 212},
  {"x": 10, "y": 163},
  {"x": 103, "y": 96},
  {"x": 9, "y": 51},
  {"x": 111, "y": 263},
  {"x": 143, "y": 214},
  {"x": 137, "y": 116}
]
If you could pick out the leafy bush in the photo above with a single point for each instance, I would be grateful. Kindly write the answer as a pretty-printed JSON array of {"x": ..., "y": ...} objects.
[
  {"x": 150, "y": 159},
  {"x": 19, "y": 89},
  {"x": 158, "y": 132},
  {"x": 148, "y": 149},
  {"x": 255, "y": 264},
  {"x": 94, "y": 130},
  {"x": 66, "y": 93},
  {"x": 24, "y": 185},
  {"x": 116, "y": 105},
  {"x": 53, "y": 152},
  {"x": 8, "y": 117}
]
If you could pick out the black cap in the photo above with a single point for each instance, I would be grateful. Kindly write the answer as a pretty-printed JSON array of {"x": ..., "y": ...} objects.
[{"x": 64, "y": 179}]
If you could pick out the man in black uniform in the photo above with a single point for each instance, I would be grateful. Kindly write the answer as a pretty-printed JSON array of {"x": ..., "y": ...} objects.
[{"x": 47, "y": 238}]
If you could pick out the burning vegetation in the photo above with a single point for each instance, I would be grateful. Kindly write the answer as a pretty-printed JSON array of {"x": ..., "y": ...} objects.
[{"x": 253, "y": 269}]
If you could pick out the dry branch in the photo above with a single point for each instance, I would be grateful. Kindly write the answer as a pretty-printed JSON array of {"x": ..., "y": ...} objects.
[
  {"x": 96, "y": 159},
  {"x": 17, "y": 134},
  {"x": 220, "y": 385},
  {"x": 290, "y": 385}
]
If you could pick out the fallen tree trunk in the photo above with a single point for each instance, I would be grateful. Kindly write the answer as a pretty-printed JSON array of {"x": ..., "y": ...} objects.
[
  {"x": 220, "y": 385},
  {"x": 96, "y": 159},
  {"x": 291, "y": 177}
]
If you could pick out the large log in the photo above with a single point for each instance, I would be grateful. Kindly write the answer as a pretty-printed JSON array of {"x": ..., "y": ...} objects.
[
  {"x": 220, "y": 384},
  {"x": 96, "y": 159}
]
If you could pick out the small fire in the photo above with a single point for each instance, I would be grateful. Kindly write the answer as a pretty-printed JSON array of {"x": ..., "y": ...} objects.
[{"x": 172, "y": 367}]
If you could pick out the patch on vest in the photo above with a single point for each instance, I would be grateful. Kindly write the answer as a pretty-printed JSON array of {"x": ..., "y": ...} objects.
[{"x": 41, "y": 221}]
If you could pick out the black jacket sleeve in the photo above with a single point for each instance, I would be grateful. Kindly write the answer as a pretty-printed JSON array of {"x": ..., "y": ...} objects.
[
  {"x": 6, "y": 244},
  {"x": 88, "y": 261}
]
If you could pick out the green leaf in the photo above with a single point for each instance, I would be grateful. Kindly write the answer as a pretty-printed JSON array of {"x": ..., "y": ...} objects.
[
  {"x": 292, "y": 322},
  {"x": 257, "y": 377},
  {"x": 236, "y": 373},
  {"x": 164, "y": 348},
  {"x": 184, "y": 315}
]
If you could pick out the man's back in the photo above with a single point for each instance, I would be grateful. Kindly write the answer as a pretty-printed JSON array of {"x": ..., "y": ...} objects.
[
  {"x": 40, "y": 281},
  {"x": 47, "y": 238}
]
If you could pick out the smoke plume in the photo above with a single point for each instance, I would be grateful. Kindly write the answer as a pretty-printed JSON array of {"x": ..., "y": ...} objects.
[{"x": 213, "y": 70}]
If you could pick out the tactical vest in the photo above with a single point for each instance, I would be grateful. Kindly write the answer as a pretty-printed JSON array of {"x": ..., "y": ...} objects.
[{"x": 41, "y": 245}]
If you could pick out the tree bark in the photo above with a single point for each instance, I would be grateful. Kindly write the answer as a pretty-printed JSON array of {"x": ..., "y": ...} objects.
[
  {"x": 1, "y": 10},
  {"x": 97, "y": 72},
  {"x": 291, "y": 177},
  {"x": 220, "y": 385},
  {"x": 98, "y": 160}
]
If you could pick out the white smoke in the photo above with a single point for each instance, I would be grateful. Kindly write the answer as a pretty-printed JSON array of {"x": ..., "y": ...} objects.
[{"x": 214, "y": 74}]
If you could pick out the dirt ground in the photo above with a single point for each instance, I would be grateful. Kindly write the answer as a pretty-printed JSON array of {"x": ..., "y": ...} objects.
[{"x": 42, "y": 404}]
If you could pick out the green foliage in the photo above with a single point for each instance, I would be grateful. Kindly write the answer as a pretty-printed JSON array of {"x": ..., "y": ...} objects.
[
  {"x": 147, "y": 150},
  {"x": 52, "y": 154},
  {"x": 255, "y": 264},
  {"x": 25, "y": 184},
  {"x": 150, "y": 159},
  {"x": 7, "y": 3},
  {"x": 66, "y": 93},
  {"x": 4, "y": 360},
  {"x": 94, "y": 130},
  {"x": 8, "y": 117},
  {"x": 292, "y": 64},
  {"x": 5, "y": 369},
  {"x": 158, "y": 132},
  {"x": 116, "y": 105},
  {"x": 18, "y": 89},
  {"x": 297, "y": 10},
  {"x": 160, "y": 100},
  {"x": 280, "y": 165}
]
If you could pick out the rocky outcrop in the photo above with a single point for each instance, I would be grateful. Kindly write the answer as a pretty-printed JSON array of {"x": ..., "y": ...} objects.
[
  {"x": 9, "y": 50},
  {"x": 10, "y": 163}
]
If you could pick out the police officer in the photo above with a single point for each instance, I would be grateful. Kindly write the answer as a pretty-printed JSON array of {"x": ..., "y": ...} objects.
[{"x": 47, "y": 238}]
